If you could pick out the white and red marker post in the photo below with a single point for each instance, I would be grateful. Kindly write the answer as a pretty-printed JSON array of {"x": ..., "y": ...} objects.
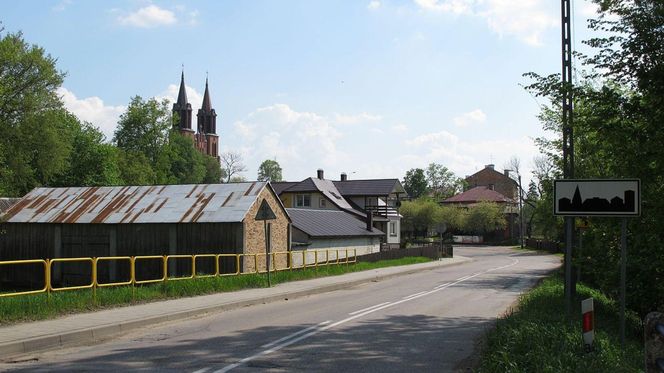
[{"x": 588, "y": 317}]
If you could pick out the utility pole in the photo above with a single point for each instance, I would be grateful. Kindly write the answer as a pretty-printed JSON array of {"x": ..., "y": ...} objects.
[
  {"x": 568, "y": 139},
  {"x": 520, "y": 211}
]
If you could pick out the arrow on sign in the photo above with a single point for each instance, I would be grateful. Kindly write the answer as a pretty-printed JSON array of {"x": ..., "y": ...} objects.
[{"x": 265, "y": 212}]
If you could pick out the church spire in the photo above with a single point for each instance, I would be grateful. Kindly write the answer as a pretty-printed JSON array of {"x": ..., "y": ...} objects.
[
  {"x": 182, "y": 95},
  {"x": 182, "y": 108},
  {"x": 207, "y": 105}
]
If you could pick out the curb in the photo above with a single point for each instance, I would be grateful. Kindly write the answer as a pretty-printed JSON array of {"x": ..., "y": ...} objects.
[{"x": 101, "y": 332}]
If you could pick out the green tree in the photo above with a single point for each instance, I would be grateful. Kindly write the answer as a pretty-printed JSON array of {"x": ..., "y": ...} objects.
[
  {"x": 618, "y": 115},
  {"x": 212, "y": 170},
  {"x": 442, "y": 182},
  {"x": 144, "y": 127},
  {"x": 135, "y": 168},
  {"x": 415, "y": 183},
  {"x": 484, "y": 217},
  {"x": 179, "y": 162},
  {"x": 91, "y": 162},
  {"x": 269, "y": 170},
  {"x": 34, "y": 147}
]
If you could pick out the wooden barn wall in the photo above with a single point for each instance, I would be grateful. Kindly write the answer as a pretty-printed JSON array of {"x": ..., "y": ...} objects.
[{"x": 41, "y": 241}]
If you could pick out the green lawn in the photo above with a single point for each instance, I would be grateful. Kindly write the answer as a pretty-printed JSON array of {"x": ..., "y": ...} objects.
[
  {"x": 536, "y": 337},
  {"x": 41, "y": 306}
]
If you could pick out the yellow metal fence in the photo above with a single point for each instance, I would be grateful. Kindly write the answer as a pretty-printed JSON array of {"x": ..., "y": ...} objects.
[{"x": 294, "y": 260}]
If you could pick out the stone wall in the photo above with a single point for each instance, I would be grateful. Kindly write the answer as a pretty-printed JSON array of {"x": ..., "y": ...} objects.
[{"x": 254, "y": 234}]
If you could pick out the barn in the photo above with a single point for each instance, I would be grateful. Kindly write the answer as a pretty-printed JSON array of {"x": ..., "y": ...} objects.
[{"x": 141, "y": 220}]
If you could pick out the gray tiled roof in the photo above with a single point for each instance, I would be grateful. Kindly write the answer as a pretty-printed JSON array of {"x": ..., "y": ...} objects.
[
  {"x": 280, "y": 186},
  {"x": 330, "y": 223},
  {"x": 325, "y": 187},
  {"x": 373, "y": 187}
]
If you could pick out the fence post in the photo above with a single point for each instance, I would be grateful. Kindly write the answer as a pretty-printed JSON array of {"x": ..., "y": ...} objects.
[
  {"x": 47, "y": 278},
  {"x": 94, "y": 280}
]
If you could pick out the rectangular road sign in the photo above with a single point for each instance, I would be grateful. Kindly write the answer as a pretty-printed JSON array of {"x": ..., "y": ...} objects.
[{"x": 597, "y": 197}]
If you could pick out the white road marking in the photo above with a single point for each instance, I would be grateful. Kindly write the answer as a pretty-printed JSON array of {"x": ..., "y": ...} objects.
[
  {"x": 289, "y": 340},
  {"x": 368, "y": 308},
  {"x": 295, "y": 334},
  {"x": 414, "y": 295},
  {"x": 202, "y": 370},
  {"x": 443, "y": 285}
]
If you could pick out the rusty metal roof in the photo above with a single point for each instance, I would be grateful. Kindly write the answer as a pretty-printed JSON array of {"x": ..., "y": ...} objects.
[{"x": 203, "y": 203}]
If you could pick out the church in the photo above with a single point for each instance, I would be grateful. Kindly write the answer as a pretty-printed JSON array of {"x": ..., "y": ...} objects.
[{"x": 205, "y": 137}]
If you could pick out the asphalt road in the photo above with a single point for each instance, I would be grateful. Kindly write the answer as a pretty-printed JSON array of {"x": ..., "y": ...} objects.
[{"x": 426, "y": 322}]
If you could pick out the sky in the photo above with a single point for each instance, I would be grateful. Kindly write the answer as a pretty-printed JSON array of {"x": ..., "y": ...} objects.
[{"x": 371, "y": 88}]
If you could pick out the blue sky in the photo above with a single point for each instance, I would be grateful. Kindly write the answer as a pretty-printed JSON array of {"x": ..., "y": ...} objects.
[{"x": 367, "y": 87}]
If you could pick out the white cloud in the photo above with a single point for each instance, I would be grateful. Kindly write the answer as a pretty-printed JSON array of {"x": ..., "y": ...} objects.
[
  {"x": 447, "y": 6},
  {"x": 61, "y": 6},
  {"x": 93, "y": 110},
  {"x": 373, "y": 5},
  {"x": 400, "y": 128},
  {"x": 465, "y": 156},
  {"x": 472, "y": 117},
  {"x": 357, "y": 118},
  {"x": 526, "y": 20},
  {"x": 300, "y": 141},
  {"x": 148, "y": 17}
]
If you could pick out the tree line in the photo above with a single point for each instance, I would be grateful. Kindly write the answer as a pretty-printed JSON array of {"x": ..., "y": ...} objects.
[{"x": 618, "y": 116}]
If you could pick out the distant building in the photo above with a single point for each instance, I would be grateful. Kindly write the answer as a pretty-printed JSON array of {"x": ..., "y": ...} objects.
[
  {"x": 205, "y": 137},
  {"x": 375, "y": 199},
  {"x": 494, "y": 180},
  {"x": 478, "y": 194}
]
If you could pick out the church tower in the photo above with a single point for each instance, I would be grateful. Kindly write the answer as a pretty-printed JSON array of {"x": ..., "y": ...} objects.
[
  {"x": 183, "y": 108},
  {"x": 207, "y": 125}
]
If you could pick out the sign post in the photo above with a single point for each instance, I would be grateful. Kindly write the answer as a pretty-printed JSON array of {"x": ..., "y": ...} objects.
[
  {"x": 265, "y": 213},
  {"x": 603, "y": 198}
]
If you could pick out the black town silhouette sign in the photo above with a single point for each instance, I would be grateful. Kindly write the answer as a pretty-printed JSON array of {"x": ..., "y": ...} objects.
[{"x": 597, "y": 197}]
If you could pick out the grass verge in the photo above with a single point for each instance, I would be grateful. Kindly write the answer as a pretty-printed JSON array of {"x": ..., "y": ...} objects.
[
  {"x": 41, "y": 306},
  {"x": 536, "y": 337}
]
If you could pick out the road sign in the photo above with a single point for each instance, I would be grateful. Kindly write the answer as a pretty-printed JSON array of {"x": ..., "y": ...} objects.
[
  {"x": 602, "y": 197},
  {"x": 265, "y": 212}
]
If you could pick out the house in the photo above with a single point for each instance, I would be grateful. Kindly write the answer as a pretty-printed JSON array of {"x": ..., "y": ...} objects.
[
  {"x": 143, "y": 220},
  {"x": 381, "y": 198},
  {"x": 494, "y": 180},
  {"x": 318, "y": 229},
  {"x": 375, "y": 199},
  {"x": 486, "y": 194}
]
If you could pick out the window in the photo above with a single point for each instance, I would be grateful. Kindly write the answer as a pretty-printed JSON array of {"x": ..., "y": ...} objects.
[
  {"x": 303, "y": 200},
  {"x": 322, "y": 202},
  {"x": 393, "y": 228}
]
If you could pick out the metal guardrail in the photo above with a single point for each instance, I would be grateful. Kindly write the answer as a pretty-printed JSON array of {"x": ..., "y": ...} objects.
[{"x": 165, "y": 260}]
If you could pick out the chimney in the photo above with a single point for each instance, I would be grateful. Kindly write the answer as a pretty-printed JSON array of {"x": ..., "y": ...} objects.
[
  {"x": 491, "y": 166},
  {"x": 369, "y": 221},
  {"x": 344, "y": 177},
  {"x": 320, "y": 174},
  {"x": 507, "y": 172}
]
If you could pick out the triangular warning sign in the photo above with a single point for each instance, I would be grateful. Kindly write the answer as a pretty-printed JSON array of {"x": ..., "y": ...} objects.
[{"x": 265, "y": 212}]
